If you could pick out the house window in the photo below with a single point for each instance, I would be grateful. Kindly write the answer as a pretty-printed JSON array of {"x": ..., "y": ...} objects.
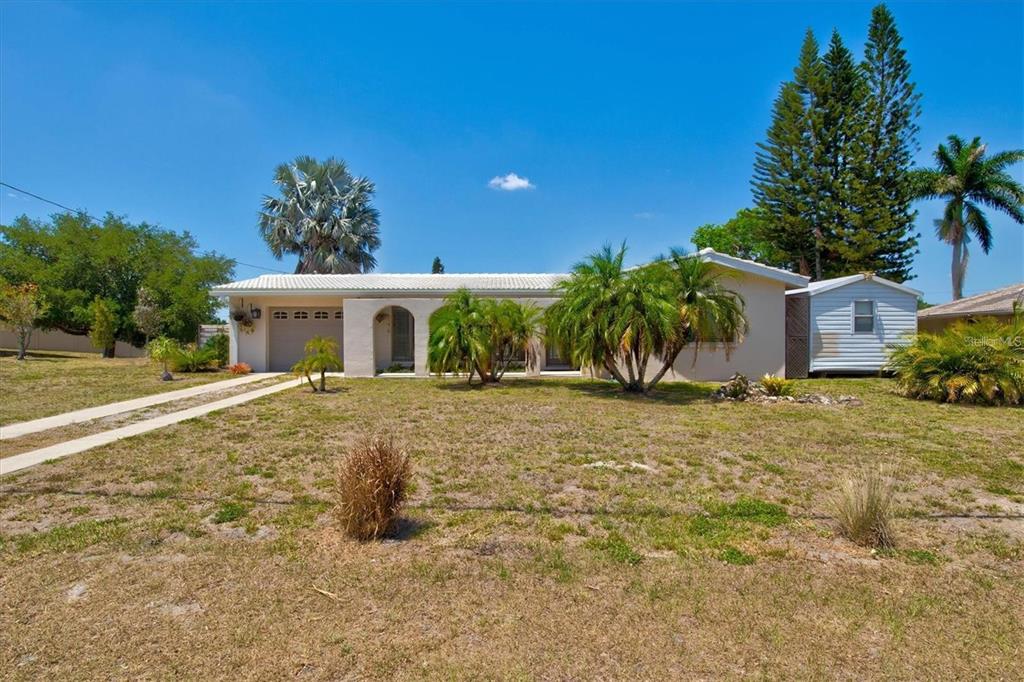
[
  {"x": 301, "y": 315},
  {"x": 401, "y": 335},
  {"x": 320, "y": 315},
  {"x": 863, "y": 317},
  {"x": 280, "y": 315}
]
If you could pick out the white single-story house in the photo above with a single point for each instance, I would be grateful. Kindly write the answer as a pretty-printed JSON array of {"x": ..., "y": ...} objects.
[
  {"x": 381, "y": 320},
  {"x": 845, "y": 324}
]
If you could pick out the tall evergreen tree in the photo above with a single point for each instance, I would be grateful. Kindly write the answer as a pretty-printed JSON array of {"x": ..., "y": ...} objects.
[
  {"x": 841, "y": 105},
  {"x": 811, "y": 80},
  {"x": 781, "y": 180},
  {"x": 880, "y": 237}
]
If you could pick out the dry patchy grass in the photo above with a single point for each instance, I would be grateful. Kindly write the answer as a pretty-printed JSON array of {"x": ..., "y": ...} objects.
[
  {"x": 50, "y": 383},
  {"x": 556, "y": 529}
]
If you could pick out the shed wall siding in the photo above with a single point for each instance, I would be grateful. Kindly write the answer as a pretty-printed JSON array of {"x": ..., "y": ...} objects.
[{"x": 834, "y": 345}]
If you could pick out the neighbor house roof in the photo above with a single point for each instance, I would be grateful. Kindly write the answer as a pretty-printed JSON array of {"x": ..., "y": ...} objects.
[
  {"x": 403, "y": 283},
  {"x": 824, "y": 285},
  {"x": 997, "y": 302}
]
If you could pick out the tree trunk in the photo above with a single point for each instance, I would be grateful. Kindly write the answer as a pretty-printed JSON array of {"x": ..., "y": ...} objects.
[
  {"x": 110, "y": 350},
  {"x": 323, "y": 381},
  {"x": 956, "y": 272}
]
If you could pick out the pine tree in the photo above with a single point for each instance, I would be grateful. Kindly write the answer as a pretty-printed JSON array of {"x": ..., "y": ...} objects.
[
  {"x": 841, "y": 106},
  {"x": 781, "y": 180},
  {"x": 881, "y": 236},
  {"x": 437, "y": 267}
]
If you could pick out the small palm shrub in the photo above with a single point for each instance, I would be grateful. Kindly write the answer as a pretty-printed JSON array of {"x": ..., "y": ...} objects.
[
  {"x": 979, "y": 363},
  {"x": 218, "y": 347},
  {"x": 776, "y": 386},
  {"x": 372, "y": 482},
  {"x": 863, "y": 508},
  {"x": 240, "y": 368},
  {"x": 163, "y": 350},
  {"x": 321, "y": 356},
  {"x": 192, "y": 359}
]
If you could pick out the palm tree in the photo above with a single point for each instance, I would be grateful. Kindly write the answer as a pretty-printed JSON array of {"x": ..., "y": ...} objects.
[
  {"x": 618, "y": 318},
  {"x": 481, "y": 336},
  {"x": 322, "y": 357},
  {"x": 706, "y": 310},
  {"x": 966, "y": 179},
  {"x": 324, "y": 216}
]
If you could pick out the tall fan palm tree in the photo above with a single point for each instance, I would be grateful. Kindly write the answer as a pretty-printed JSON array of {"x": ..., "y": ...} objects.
[
  {"x": 967, "y": 180},
  {"x": 324, "y": 216}
]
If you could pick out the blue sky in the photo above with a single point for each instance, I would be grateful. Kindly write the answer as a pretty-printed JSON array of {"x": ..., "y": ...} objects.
[{"x": 630, "y": 122}]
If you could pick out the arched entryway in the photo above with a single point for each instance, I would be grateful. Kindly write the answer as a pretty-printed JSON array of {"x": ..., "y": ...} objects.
[{"x": 394, "y": 334}]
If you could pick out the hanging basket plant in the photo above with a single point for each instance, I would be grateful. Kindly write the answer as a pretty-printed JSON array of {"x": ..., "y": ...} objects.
[{"x": 244, "y": 320}]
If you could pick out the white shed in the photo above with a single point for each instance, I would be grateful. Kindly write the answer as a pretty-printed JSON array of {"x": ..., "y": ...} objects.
[{"x": 851, "y": 322}]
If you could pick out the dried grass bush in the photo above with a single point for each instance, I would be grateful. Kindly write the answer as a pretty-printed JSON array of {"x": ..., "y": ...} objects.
[
  {"x": 372, "y": 482},
  {"x": 863, "y": 508}
]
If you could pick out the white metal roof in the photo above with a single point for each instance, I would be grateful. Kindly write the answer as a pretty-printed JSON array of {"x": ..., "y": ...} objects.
[
  {"x": 448, "y": 282},
  {"x": 753, "y": 267},
  {"x": 836, "y": 282},
  {"x": 376, "y": 282}
]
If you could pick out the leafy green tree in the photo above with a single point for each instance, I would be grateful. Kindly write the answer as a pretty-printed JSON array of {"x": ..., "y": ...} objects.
[
  {"x": 21, "y": 306},
  {"x": 620, "y": 319},
  {"x": 437, "y": 267},
  {"x": 966, "y": 179},
  {"x": 324, "y": 216},
  {"x": 74, "y": 260},
  {"x": 881, "y": 237},
  {"x": 482, "y": 336},
  {"x": 321, "y": 356},
  {"x": 745, "y": 235},
  {"x": 103, "y": 330}
]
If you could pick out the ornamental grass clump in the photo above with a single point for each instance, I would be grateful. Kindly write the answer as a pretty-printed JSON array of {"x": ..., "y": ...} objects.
[
  {"x": 863, "y": 508},
  {"x": 372, "y": 483},
  {"x": 980, "y": 363}
]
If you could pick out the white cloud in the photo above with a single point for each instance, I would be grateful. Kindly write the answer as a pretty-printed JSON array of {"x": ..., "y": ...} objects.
[
  {"x": 644, "y": 215},
  {"x": 510, "y": 183}
]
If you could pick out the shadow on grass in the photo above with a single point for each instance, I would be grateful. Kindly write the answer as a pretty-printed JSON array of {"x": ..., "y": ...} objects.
[
  {"x": 47, "y": 355},
  {"x": 409, "y": 528},
  {"x": 674, "y": 393}
]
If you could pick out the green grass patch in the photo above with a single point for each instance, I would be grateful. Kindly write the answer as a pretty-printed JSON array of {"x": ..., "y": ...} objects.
[
  {"x": 615, "y": 547},
  {"x": 230, "y": 511},
  {"x": 72, "y": 538},
  {"x": 736, "y": 557},
  {"x": 750, "y": 509}
]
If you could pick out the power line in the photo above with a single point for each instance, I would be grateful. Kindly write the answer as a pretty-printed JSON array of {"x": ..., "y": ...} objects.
[{"x": 97, "y": 222}]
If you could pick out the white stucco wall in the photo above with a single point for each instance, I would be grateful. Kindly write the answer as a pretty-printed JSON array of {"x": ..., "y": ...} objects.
[{"x": 763, "y": 348}]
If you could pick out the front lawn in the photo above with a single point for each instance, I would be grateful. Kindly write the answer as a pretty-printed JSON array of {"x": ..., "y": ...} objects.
[
  {"x": 50, "y": 383},
  {"x": 557, "y": 529}
]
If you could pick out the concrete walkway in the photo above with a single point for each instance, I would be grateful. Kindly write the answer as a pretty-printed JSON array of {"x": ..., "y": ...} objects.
[
  {"x": 26, "y": 459},
  {"x": 90, "y": 413}
]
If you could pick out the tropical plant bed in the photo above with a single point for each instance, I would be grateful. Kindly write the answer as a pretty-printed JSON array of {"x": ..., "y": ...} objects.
[
  {"x": 741, "y": 389},
  {"x": 531, "y": 545}
]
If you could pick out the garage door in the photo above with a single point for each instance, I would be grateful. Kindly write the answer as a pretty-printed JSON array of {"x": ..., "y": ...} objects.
[{"x": 291, "y": 328}]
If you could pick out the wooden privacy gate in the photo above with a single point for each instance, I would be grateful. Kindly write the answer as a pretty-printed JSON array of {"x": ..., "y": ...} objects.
[{"x": 798, "y": 327}]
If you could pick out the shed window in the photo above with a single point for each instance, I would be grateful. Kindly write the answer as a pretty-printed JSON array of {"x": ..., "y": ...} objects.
[
  {"x": 863, "y": 316},
  {"x": 280, "y": 315},
  {"x": 301, "y": 315}
]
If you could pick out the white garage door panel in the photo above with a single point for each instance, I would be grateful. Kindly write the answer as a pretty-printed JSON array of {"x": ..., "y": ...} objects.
[{"x": 291, "y": 328}]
